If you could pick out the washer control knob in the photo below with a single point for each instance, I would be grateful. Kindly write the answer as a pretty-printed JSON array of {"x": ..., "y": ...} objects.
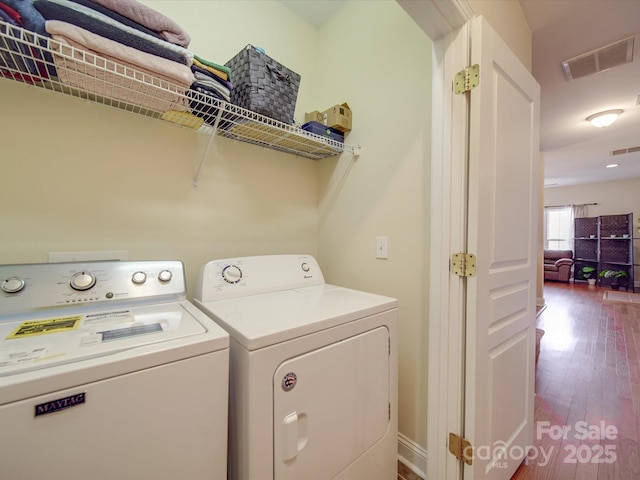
[
  {"x": 12, "y": 285},
  {"x": 139, "y": 278},
  {"x": 231, "y": 274},
  {"x": 305, "y": 267},
  {"x": 165, "y": 276},
  {"x": 82, "y": 281}
]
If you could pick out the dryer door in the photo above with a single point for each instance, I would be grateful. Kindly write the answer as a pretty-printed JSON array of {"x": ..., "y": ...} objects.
[{"x": 330, "y": 406}]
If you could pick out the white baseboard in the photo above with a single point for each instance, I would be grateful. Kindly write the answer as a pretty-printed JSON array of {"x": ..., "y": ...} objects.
[{"x": 412, "y": 455}]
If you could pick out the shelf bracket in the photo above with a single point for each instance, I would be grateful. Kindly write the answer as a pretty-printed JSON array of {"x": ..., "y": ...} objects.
[{"x": 208, "y": 147}]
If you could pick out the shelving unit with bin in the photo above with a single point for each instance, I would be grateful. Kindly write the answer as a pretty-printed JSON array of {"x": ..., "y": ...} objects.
[
  {"x": 605, "y": 243},
  {"x": 42, "y": 62},
  {"x": 585, "y": 248},
  {"x": 616, "y": 247}
]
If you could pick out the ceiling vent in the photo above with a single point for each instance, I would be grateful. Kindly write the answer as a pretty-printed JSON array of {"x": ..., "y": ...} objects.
[
  {"x": 623, "y": 151},
  {"x": 599, "y": 60}
]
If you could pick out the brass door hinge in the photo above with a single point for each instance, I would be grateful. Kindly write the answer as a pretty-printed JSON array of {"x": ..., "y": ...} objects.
[
  {"x": 467, "y": 79},
  {"x": 461, "y": 448},
  {"x": 463, "y": 264}
]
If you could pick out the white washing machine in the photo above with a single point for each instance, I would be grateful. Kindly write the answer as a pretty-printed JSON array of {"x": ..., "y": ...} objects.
[
  {"x": 313, "y": 376},
  {"x": 108, "y": 372}
]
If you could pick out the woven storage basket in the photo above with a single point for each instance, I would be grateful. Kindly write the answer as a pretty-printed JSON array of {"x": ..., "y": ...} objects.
[{"x": 262, "y": 85}]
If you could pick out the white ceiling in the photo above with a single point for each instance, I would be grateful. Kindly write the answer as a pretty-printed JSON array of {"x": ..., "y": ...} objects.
[{"x": 574, "y": 151}]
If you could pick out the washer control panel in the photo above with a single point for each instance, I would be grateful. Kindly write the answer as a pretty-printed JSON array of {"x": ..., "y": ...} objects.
[
  {"x": 234, "y": 277},
  {"x": 35, "y": 286}
]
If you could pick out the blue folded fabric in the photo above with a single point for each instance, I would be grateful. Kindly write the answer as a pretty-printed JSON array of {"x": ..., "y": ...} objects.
[
  {"x": 95, "y": 22},
  {"x": 5, "y": 17},
  {"x": 31, "y": 18}
]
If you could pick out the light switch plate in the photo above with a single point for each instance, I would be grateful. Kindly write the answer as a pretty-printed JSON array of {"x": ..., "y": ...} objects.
[{"x": 382, "y": 247}]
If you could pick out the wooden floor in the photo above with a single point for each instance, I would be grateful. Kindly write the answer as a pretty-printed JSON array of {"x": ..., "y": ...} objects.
[
  {"x": 404, "y": 473},
  {"x": 587, "y": 384}
]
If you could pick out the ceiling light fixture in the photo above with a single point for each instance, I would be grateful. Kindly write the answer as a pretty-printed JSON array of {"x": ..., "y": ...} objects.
[
  {"x": 604, "y": 119},
  {"x": 613, "y": 165}
]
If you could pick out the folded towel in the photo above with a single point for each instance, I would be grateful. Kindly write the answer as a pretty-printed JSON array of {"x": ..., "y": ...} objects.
[
  {"x": 158, "y": 66},
  {"x": 156, "y": 21},
  {"x": 209, "y": 90},
  {"x": 211, "y": 64},
  {"x": 212, "y": 76},
  {"x": 113, "y": 70},
  {"x": 117, "y": 17},
  {"x": 104, "y": 26},
  {"x": 209, "y": 84},
  {"x": 214, "y": 71}
]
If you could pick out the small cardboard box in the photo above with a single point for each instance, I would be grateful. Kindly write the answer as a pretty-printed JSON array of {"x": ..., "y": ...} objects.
[
  {"x": 314, "y": 116},
  {"x": 338, "y": 117}
]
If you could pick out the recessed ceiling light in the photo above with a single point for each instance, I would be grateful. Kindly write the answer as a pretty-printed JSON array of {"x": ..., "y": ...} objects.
[
  {"x": 613, "y": 165},
  {"x": 604, "y": 119}
]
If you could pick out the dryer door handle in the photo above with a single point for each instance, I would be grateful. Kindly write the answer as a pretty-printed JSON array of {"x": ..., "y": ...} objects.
[{"x": 294, "y": 435}]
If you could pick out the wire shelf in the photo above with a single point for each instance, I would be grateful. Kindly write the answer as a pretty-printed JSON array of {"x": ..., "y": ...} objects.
[{"x": 46, "y": 63}]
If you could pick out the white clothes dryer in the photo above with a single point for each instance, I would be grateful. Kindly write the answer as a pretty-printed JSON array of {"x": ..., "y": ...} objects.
[
  {"x": 108, "y": 372},
  {"x": 313, "y": 375}
]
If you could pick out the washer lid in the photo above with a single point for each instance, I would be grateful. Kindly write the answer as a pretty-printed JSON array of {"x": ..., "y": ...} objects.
[
  {"x": 257, "y": 321},
  {"x": 65, "y": 339}
]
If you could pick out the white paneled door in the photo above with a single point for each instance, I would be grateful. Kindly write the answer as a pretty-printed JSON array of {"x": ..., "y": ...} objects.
[
  {"x": 484, "y": 201},
  {"x": 502, "y": 233}
]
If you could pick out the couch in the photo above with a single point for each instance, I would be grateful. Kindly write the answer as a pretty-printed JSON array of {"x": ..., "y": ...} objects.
[{"x": 557, "y": 265}]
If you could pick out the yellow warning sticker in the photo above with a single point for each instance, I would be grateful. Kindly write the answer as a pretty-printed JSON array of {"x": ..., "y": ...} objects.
[{"x": 42, "y": 327}]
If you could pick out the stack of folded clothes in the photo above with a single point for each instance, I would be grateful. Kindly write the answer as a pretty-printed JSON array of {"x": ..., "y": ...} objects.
[
  {"x": 211, "y": 80},
  {"x": 115, "y": 49}
]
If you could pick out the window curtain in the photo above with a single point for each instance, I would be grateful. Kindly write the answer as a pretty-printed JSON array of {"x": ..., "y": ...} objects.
[{"x": 577, "y": 211}]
